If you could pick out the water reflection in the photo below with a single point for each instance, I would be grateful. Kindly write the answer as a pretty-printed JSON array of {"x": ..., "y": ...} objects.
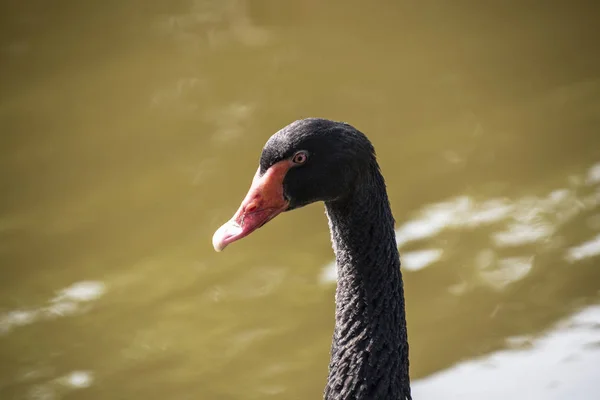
[
  {"x": 559, "y": 364},
  {"x": 78, "y": 379},
  {"x": 519, "y": 224},
  {"x": 69, "y": 301},
  {"x": 590, "y": 248},
  {"x": 415, "y": 260},
  {"x": 593, "y": 175},
  {"x": 60, "y": 387},
  {"x": 214, "y": 24}
]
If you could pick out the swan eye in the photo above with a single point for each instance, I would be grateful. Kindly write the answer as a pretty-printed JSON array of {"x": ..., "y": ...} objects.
[{"x": 300, "y": 158}]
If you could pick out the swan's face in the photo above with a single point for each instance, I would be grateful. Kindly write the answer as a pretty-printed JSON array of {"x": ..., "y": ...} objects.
[{"x": 307, "y": 161}]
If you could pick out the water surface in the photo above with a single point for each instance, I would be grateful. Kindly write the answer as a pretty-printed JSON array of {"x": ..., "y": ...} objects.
[{"x": 130, "y": 130}]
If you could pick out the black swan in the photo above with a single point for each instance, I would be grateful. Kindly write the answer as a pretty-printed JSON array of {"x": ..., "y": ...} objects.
[{"x": 321, "y": 160}]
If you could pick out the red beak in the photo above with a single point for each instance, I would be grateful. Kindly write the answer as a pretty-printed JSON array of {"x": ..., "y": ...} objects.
[{"x": 263, "y": 202}]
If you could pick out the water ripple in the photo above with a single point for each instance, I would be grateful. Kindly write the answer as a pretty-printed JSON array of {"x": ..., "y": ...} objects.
[
  {"x": 68, "y": 301},
  {"x": 519, "y": 224}
]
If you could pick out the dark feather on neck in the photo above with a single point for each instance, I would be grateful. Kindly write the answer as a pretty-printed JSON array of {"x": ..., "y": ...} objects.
[{"x": 369, "y": 354}]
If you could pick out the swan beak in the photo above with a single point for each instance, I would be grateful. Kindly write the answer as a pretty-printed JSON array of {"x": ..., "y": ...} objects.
[{"x": 264, "y": 201}]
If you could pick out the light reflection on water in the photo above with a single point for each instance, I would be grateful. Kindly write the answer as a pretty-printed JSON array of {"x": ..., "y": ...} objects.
[
  {"x": 590, "y": 248},
  {"x": 560, "y": 364},
  {"x": 528, "y": 220},
  {"x": 69, "y": 301},
  {"x": 59, "y": 387}
]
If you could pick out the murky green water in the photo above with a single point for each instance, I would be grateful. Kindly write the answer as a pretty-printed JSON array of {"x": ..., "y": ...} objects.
[{"x": 130, "y": 130}]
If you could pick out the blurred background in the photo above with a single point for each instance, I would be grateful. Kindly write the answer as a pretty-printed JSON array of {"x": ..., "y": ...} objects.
[{"x": 130, "y": 130}]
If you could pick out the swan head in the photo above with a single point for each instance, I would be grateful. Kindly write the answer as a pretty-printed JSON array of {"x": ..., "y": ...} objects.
[{"x": 307, "y": 161}]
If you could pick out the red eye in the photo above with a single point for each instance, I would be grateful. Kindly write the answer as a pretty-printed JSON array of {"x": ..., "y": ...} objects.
[{"x": 300, "y": 158}]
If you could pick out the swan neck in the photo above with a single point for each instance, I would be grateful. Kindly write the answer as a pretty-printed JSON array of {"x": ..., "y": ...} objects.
[{"x": 369, "y": 354}]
